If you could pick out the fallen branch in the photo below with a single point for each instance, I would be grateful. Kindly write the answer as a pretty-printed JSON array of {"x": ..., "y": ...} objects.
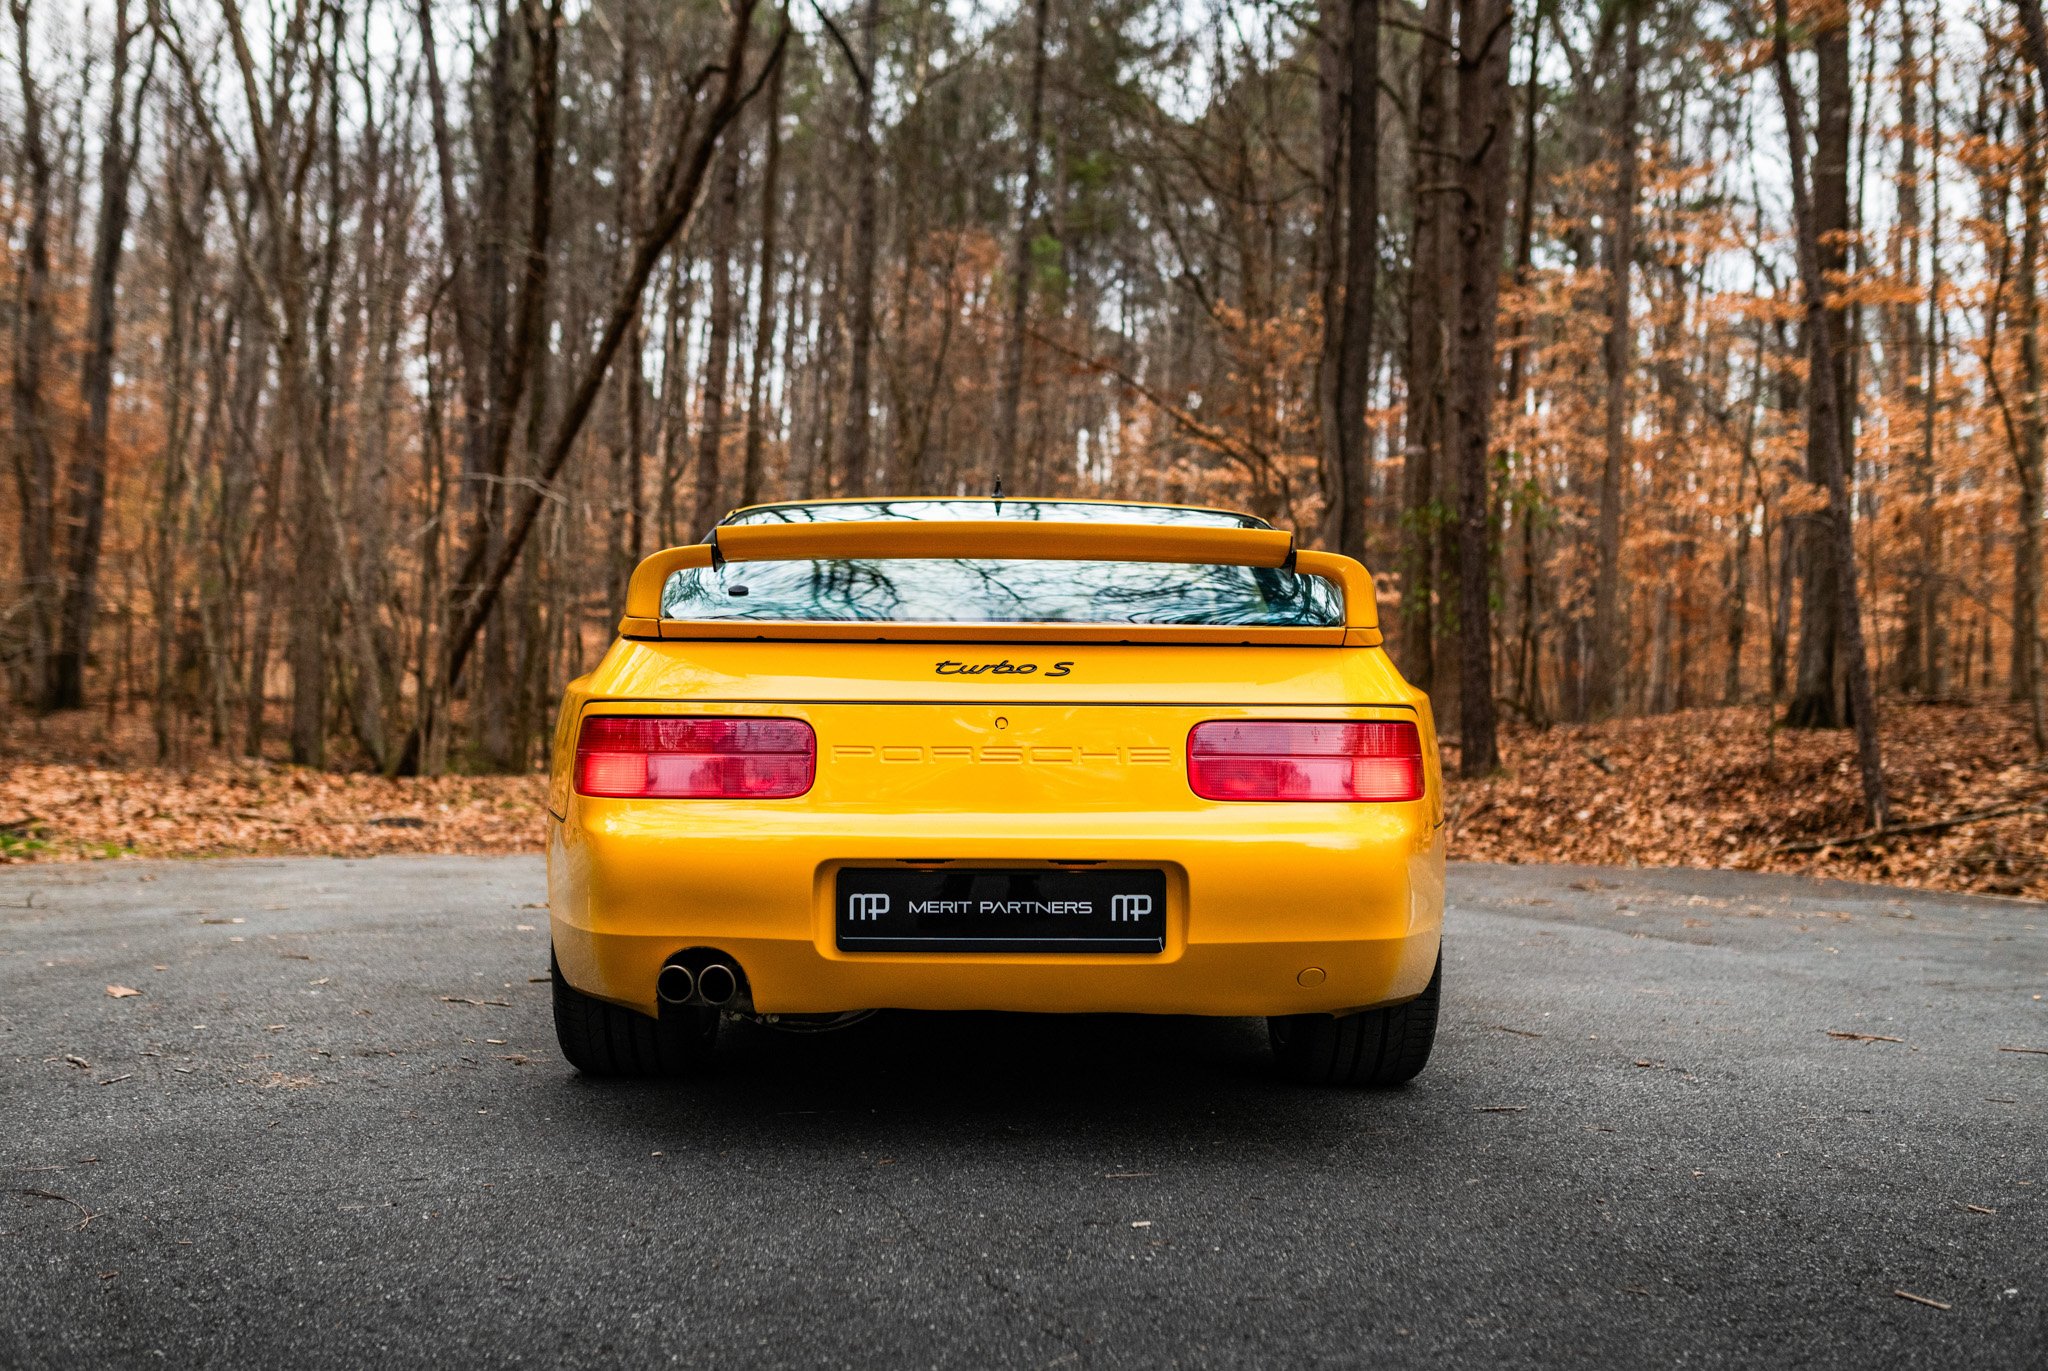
[
  {"x": 1899, "y": 830},
  {"x": 1922, "y": 1299},
  {"x": 65, "y": 1199}
]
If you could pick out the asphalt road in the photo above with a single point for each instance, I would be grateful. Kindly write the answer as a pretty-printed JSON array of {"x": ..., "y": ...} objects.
[{"x": 333, "y": 1130}]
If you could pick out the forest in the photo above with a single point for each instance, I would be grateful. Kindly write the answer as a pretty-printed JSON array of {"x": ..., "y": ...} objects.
[{"x": 1656, "y": 357}]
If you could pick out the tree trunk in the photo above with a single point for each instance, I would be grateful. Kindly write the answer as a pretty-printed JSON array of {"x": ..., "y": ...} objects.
[
  {"x": 1485, "y": 142},
  {"x": 1012, "y": 387},
  {"x": 725, "y": 190},
  {"x": 860, "y": 324},
  {"x": 1346, "y": 519},
  {"x": 2027, "y": 670},
  {"x": 2034, "y": 37},
  {"x": 1825, "y": 432},
  {"x": 764, "y": 292},
  {"x": 35, "y": 457},
  {"x": 86, "y": 500},
  {"x": 1429, "y": 272},
  {"x": 1610, "y": 648},
  {"x": 1820, "y": 697},
  {"x": 1332, "y": 102},
  {"x": 1918, "y": 631}
]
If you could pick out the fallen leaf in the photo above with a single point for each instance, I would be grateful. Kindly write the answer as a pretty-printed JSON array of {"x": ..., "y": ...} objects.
[
  {"x": 1141, "y": 1223},
  {"x": 77, "y": 1061},
  {"x": 122, "y": 992}
]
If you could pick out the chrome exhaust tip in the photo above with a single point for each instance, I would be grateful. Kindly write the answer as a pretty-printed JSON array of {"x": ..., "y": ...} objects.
[
  {"x": 716, "y": 984},
  {"x": 674, "y": 984}
]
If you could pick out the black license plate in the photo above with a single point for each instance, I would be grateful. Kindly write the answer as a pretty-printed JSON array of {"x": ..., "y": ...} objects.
[{"x": 892, "y": 909}]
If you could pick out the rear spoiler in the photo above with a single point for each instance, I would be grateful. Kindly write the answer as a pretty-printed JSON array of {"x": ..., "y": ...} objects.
[{"x": 984, "y": 539}]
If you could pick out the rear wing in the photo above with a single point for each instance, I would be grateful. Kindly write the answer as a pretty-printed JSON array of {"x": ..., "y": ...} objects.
[{"x": 989, "y": 539}]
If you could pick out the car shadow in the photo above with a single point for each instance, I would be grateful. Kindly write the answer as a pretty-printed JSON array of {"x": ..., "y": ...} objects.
[{"x": 902, "y": 1077}]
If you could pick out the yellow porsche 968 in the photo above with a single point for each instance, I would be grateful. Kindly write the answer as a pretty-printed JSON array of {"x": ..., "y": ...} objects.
[{"x": 1054, "y": 756}]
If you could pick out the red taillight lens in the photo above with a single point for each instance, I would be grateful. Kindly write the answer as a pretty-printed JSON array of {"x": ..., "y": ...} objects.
[
  {"x": 1261, "y": 759},
  {"x": 650, "y": 758}
]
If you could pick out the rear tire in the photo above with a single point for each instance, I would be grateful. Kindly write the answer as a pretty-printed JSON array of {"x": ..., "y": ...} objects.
[
  {"x": 603, "y": 1039},
  {"x": 1380, "y": 1047}
]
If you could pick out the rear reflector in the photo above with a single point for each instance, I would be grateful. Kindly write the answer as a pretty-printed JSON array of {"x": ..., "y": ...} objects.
[
  {"x": 649, "y": 758},
  {"x": 1261, "y": 759}
]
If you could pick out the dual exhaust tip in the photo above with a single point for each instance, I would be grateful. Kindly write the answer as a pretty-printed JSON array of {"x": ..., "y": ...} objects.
[{"x": 714, "y": 984}]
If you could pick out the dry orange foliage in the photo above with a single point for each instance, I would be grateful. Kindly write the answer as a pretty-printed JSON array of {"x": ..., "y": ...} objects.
[
  {"x": 1722, "y": 788},
  {"x": 55, "y": 811}
]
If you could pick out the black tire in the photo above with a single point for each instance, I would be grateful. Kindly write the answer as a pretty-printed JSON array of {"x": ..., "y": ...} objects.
[
  {"x": 602, "y": 1039},
  {"x": 1380, "y": 1047}
]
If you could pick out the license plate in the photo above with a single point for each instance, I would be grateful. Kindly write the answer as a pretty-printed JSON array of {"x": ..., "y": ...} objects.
[{"x": 891, "y": 909}]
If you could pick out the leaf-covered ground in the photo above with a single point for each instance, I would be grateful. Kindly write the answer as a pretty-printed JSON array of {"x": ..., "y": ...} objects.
[
  {"x": 1720, "y": 787},
  {"x": 1703, "y": 788}
]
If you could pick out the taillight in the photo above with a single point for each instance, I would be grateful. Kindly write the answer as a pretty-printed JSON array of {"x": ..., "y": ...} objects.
[
  {"x": 649, "y": 758},
  {"x": 1276, "y": 759}
]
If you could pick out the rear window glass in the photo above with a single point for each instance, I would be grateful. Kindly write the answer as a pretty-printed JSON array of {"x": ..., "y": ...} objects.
[{"x": 1008, "y": 591}]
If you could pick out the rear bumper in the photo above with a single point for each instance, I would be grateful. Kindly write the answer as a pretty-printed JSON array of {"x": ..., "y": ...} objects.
[{"x": 1260, "y": 900}]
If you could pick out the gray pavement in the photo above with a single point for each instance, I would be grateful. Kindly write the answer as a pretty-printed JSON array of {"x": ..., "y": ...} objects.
[{"x": 333, "y": 1130}]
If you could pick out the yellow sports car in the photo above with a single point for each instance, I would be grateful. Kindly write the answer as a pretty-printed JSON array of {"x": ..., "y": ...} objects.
[{"x": 1041, "y": 755}]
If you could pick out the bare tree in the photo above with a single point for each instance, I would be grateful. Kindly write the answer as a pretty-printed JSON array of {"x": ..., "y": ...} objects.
[
  {"x": 764, "y": 291},
  {"x": 711, "y": 421},
  {"x": 1604, "y": 687},
  {"x": 1436, "y": 179},
  {"x": 1825, "y": 435},
  {"x": 1011, "y": 395},
  {"x": 1346, "y": 484},
  {"x": 1820, "y": 697},
  {"x": 699, "y": 130},
  {"x": 35, "y": 457},
  {"x": 856, "y": 420},
  {"x": 1485, "y": 141},
  {"x": 86, "y": 500}
]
